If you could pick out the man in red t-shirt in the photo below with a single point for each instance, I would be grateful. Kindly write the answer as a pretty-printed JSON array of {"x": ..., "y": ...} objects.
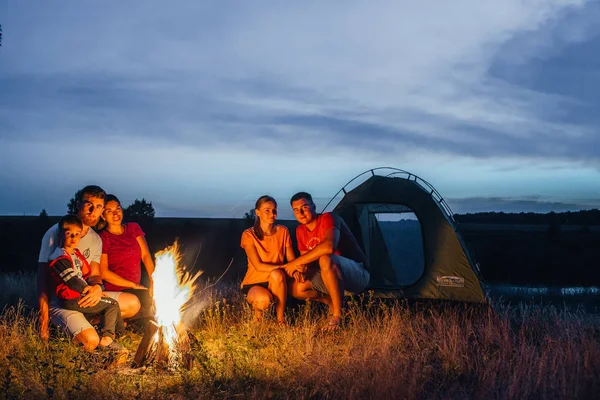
[{"x": 330, "y": 262}]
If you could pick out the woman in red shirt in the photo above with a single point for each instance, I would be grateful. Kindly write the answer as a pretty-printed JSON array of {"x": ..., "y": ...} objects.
[{"x": 123, "y": 247}]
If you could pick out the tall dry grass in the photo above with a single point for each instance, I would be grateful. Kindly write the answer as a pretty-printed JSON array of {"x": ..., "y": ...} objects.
[
  {"x": 385, "y": 350},
  {"x": 18, "y": 288}
]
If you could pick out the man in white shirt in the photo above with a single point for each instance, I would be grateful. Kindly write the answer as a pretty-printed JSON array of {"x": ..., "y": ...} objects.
[{"x": 90, "y": 204}]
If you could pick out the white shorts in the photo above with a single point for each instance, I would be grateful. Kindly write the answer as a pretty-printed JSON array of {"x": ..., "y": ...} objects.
[{"x": 73, "y": 322}]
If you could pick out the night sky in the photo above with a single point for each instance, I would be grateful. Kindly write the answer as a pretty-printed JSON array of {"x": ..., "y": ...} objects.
[{"x": 203, "y": 106}]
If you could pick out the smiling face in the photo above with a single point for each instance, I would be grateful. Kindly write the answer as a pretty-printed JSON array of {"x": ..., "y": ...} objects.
[
  {"x": 71, "y": 236},
  {"x": 304, "y": 211},
  {"x": 267, "y": 212},
  {"x": 90, "y": 209},
  {"x": 113, "y": 213}
]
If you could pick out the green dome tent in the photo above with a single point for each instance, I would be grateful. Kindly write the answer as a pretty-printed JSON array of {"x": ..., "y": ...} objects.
[{"x": 409, "y": 235}]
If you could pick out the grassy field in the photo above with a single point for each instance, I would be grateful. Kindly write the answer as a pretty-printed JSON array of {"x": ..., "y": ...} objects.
[{"x": 385, "y": 350}]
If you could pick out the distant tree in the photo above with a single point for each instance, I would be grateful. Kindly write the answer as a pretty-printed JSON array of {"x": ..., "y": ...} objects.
[
  {"x": 140, "y": 209},
  {"x": 250, "y": 216},
  {"x": 72, "y": 205},
  {"x": 43, "y": 214}
]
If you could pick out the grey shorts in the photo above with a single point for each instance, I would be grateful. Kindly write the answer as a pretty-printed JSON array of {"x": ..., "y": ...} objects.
[
  {"x": 355, "y": 277},
  {"x": 73, "y": 322}
]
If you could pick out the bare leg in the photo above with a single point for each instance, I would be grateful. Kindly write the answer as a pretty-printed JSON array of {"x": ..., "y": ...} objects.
[
  {"x": 278, "y": 287},
  {"x": 129, "y": 304},
  {"x": 305, "y": 291},
  {"x": 332, "y": 278},
  {"x": 259, "y": 298},
  {"x": 88, "y": 338}
]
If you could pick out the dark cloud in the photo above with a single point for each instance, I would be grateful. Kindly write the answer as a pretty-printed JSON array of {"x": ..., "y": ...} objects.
[{"x": 163, "y": 110}]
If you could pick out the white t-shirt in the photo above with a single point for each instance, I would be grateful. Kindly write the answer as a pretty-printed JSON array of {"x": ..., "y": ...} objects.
[{"x": 90, "y": 245}]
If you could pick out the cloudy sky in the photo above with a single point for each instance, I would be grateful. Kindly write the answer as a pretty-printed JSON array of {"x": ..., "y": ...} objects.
[{"x": 203, "y": 106}]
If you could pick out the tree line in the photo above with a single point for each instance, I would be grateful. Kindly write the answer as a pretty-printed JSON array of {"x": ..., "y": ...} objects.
[
  {"x": 138, "y": 210},
  {"x": 585, "y": 217}
]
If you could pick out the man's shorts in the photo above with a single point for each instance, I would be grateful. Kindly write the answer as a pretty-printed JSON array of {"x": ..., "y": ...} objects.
[
  {"x": 73, "y": 322},
  {"x": 355, "y": 277}
]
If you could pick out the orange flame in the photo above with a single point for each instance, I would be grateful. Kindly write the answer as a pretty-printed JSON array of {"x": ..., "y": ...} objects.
[{"x": 172, "y": 289}]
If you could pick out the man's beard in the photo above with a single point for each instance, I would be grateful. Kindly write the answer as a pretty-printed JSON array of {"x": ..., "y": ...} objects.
[{"x": 90, "y": 220}]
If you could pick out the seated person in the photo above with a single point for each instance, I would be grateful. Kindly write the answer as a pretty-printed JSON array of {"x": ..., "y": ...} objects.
[
  {"x": 330, "y": 262},
  {"x": 90, "y": 203},
  {"x": 71, "y": 278},
  {"x": 123, "y": 248},
  {"x": 267, "y": 245}
]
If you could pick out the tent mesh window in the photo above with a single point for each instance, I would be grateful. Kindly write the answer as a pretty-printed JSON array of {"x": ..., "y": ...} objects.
[{"x": 392, "y": 231}]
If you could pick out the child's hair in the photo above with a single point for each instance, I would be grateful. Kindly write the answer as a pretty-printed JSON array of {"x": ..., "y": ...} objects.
[
  {"x": 62, "y": 226},
  {"x": 261, "y": 200}
]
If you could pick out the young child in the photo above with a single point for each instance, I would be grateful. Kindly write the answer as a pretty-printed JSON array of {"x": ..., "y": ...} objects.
[{"x": 70, "y": 271}]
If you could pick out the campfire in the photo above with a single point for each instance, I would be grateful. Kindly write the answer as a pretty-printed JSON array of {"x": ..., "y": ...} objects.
[{"x": 167, "y": 342}]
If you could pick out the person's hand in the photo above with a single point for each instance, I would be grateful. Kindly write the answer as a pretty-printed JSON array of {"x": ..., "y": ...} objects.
[
  {"x": 289, "y": 269},
  {"x": 299, "y": 276},
  {"x": 302, "y": 268},
  {"x": 91, "y": 296},
  {"x": 151, "y": 288},
  {"x": 136, "y": 286}
]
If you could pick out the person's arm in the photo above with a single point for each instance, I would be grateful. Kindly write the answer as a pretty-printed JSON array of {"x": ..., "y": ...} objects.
[
  {"x": 289, "y": 254},
  {"x": 254, "y": 259},
  {"x": 47, "y": 247},
  {"x": 326, "y": 247},
  {"x": 295, "y": 272},
  {"x": 65, "y": 271},
  {"x": 249, "y": 246},
  {"x": 148, "y": 262},
  {"x": 93, "y": 292},
  {"x": 114, "y": 278},
  {"x": 42, "y": 295}
]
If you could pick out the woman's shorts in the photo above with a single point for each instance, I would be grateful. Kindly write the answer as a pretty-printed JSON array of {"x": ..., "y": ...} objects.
[{"x": 246, "y": 288}]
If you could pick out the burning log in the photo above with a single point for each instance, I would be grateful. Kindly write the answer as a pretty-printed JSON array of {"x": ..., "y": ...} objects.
[
  {"x": 155, "y": 348},
  {"x": 185, "y": 347},
  {"x": 144, "y": 354}
]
